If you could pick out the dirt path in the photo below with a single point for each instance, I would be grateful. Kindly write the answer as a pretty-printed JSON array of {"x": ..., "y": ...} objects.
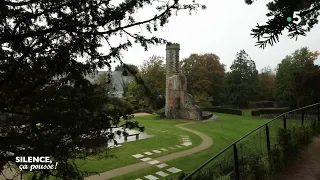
[
  {"x": 205, "y": 144},
  {"x": 141, "y": 114},
  {"x": 307, "y": 165}
]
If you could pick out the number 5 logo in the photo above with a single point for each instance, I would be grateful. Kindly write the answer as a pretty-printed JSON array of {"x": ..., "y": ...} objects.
[{"x": 296, "y": 17}]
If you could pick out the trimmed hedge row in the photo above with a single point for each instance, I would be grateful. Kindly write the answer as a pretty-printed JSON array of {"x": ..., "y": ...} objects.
[
  {"x": 224, "y": 110},
  {"x": 269, "y": 111},
  {"x": 262, "y": 104}
]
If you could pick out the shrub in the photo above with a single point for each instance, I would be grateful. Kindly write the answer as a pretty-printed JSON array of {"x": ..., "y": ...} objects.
[
  {"x": 275, "y": 160},
  {"x": 291, "y": 141},
  {"x": 302, "y": 135},
  {"x": 203, "y": 100},
  {"x": 255, "y": 168},
  {"x": 161, "y": 113},
  {"x": 226, "y": 177},
  {"x": 182, "y": 175},
  {"x": 287, "y": 144},
  {"x": 315, "y": 127}
]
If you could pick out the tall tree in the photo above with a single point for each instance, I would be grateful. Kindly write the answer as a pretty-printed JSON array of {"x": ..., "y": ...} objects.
[
  {"x": 153, "y": 72},
  {"x": 266, "y": 84},
  {"x": 205, "y": 74},
  {"x": 47, "y": 106},
  {"x": 279, "y": 11},
  {"x": 242, "y": 81},
  {"x": 290, "y": 89}
]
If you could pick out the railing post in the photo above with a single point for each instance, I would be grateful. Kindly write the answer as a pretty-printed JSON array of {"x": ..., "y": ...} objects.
[
  {"x": 318, "y": 107},
  {"x": 302, "y": 117},
  {"x": 284, "y": 121},
  {"x": 236, "y": 162},
  {"x": 268, "y": 137}
]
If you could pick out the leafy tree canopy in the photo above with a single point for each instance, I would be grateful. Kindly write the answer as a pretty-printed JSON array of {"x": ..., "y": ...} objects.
[
  {"x": 290, "y": 87},
  {"x": 47, "y": 106},
  {"x": 205, "y": 74},
  {"x": 279, "y": 11},
  {"x": 266, "y": 84},
  {"x": 153, "y": 72}
]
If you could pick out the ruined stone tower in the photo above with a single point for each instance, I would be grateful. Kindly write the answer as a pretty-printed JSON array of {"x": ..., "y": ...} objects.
[{"x": 179, "y": 104}]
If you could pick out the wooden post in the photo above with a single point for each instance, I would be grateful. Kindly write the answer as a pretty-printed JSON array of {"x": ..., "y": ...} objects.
[
  {"x": 137, "y": 136},
  {"x": 268, "y": 137},
  {"x": 125, "y": 137},
  {"x": 236, "y": 162},
  {"x": 284, "y": 121},
  {"x": 302, "y": 117}
]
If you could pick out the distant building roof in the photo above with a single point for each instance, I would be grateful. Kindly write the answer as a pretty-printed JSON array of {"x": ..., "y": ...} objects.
[{"x": 118, "y": 81}]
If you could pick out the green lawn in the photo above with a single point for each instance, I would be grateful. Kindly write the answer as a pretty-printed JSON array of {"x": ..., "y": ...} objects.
[
  {"x": 226, "y": 129},
  {"x": 160, "y": 140}
]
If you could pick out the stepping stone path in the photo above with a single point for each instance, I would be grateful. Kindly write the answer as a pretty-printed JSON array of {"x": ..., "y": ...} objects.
[
  {"x": 138, "y": 155},
  {"x": 156, "y": 151},
  {"x": 161, "y": 174},
  {"x": 186, "y": 140},
  {"x": 187, "y": 143},
  {"x": 146, "y": 159},
  {"x": 162, "y": 165},
  {"x": 154, "y": 162},
  {"x": 174, "y": 170},
  {"x": 147, "y": 153},
  {"x": 150, "y": 177}
]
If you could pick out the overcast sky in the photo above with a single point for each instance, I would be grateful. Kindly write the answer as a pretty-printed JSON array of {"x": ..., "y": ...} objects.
[{"x": 223, "y": 29}]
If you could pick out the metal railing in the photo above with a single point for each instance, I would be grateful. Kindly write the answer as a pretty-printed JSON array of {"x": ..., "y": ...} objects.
[{"x": 232, "y": 162}]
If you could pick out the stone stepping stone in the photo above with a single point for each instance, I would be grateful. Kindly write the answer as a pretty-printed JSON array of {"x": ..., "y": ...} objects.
[
  {"x": 138, "y": 179},
  {"x": 162, "y": 165},
  {"x": 147, "y": 153},
  {"x": 162, "y": 174},
  {"x": 138, "y": 155},
  {"x": 178, "y": 146},
  {"x": 187, "y": 144},
  {"x": 186, "y": 140},
  {"x": 156, "y": 151},
  {"x": 150, "y": 177},
  {"x": 163, "y": 149},
  {"x": 154, "y": 162},
  {"x": 174, "y": 170},
  {"x": 171, "y": 148},
  {"x": 146, "y": 159},
  {"x": 184, "y": 136},
  {"x": 183, "y": 139}
]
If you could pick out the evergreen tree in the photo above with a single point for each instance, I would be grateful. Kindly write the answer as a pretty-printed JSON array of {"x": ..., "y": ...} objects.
[
  {"x": 242, "y": 81},
  {"x": 47, "y": 106},
  {"x": 279, "y": 11}
]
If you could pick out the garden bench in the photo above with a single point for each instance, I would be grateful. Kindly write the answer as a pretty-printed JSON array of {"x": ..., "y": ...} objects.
[{"x": 136, "y": 134}]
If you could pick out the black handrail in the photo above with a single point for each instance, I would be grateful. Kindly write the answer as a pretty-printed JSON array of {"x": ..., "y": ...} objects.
[{"x": 232, "y": 144}]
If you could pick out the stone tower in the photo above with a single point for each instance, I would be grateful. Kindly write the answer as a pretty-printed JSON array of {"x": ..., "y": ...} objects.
[{"x": 179, "y": 104}]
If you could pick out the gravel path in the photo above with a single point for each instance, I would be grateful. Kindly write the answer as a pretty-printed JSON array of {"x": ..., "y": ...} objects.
[{"x": 205, "y": 144}]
